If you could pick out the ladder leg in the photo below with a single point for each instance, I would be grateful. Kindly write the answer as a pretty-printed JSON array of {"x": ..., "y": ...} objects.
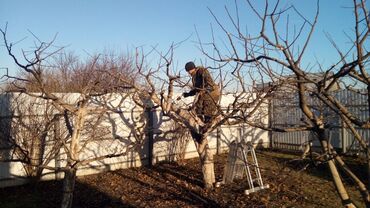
[
  {"x": 248, "y": 171},
  {"x": 257, "y": 168},
  {"x": 238, "y": 164}
]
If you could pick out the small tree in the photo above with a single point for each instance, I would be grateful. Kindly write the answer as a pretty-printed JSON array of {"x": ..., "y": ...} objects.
[
  {"x": 279, "y": 48},
  {"x": 24, "y": 129}
]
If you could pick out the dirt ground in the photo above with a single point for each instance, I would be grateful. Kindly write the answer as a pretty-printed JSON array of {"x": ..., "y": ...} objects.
[{"x": 180, "y": 185}]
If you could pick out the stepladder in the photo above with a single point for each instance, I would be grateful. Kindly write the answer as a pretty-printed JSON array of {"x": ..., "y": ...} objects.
[{"x": 242, "y": 162}]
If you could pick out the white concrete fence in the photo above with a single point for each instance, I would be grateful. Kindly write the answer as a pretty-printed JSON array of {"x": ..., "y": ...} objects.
[
  {"x": 124, "y": 128},
  {"x": 148, "y": 136}
]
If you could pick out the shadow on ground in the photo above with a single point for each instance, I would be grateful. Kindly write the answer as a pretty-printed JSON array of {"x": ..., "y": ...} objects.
[
  {"x": 47, "y": 194},
  {"x": 175, "y": 185}
]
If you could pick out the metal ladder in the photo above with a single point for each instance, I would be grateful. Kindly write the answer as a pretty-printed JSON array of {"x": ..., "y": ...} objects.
[{"x": 238, "y": 165}]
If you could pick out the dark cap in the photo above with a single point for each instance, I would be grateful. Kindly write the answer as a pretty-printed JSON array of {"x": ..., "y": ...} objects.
[{"x": 189, "y": 66}]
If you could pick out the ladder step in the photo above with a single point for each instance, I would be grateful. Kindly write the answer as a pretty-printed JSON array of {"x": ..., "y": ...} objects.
[
  {"x": 248, "y": 191},
  {"x": 256, "y": 179}
]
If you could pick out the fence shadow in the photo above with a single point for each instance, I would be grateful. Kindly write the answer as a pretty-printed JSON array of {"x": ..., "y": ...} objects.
[
  {"x": 163, "y": 185},
  {"x": 47, "y": 194}
]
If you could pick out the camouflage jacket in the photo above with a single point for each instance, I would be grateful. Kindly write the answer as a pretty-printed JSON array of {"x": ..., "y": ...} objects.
[{"x": 202, "y": 82}]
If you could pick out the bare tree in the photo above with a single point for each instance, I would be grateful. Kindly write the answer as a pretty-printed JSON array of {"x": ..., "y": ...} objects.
[
  {"x": 161, "y": 83},
  {"x": 278, "y": 50},
  {"x": 25, "y": 126},
  {"x": 46, "y": 76}
]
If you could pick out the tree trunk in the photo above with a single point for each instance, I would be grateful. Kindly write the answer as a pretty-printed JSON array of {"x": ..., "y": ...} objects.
[
  {"x": 70, "y": 174},
  {"x": 68, "y": 188},
  {"x": 361, "y": 186},
  {"x": 338, "y": 183},
  {"x": 79, "y": 122},
  {"x": 33, "y": 169},
  {"x": 207, "y": 163}
]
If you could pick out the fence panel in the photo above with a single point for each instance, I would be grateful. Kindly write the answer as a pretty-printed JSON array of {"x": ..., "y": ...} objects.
[{"x": 286, "y": 113}]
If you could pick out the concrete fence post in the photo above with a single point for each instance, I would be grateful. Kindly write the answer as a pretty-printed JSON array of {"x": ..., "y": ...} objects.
[{"x": 150, "y": 127}]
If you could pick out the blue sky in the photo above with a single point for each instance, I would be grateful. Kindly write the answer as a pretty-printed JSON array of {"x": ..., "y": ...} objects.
[{"x": 90, "y": 26}]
